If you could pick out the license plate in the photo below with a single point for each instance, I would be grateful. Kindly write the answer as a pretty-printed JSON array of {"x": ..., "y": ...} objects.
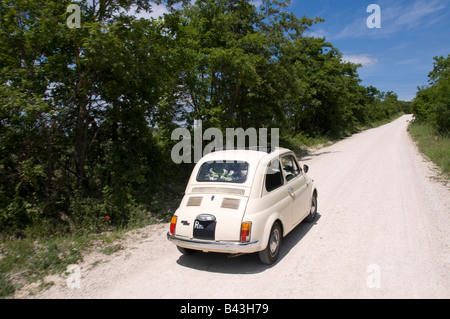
[{"x": 204, "y": 229}]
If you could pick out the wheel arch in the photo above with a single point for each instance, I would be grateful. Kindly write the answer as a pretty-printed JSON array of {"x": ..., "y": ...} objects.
[
  {"x": 315, "y": 191},
  {"x": 275, "y": 218}
]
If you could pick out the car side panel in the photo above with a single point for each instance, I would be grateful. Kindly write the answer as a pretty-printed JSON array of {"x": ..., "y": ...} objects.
[
  {"x": 264, "y": 211},
  {"x": 302, "y": 205},
  {"x": 300, "y": 198}
]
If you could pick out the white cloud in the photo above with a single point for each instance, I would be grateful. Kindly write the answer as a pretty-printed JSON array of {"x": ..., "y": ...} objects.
[
  {"x": 354, "y": 30},
  {"x": 396, "y": 17},
  {"x": 363, "y": 59},
  {"x": 419, "y": 14}
]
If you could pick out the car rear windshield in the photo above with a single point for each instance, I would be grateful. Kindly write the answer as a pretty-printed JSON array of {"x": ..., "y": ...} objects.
[{"x": 223, "y": 171}]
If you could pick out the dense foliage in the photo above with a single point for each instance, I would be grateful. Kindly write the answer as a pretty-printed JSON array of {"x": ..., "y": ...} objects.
[
  {"x": 86, "y": 113},
  {"x": 432, "y": 103}
]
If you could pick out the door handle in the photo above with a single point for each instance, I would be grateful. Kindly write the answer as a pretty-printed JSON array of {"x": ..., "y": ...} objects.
[{"x": 291, "y": 192}]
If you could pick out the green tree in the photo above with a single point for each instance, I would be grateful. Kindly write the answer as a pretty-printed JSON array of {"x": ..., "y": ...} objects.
[
  {"x": 432, "y": 103},
  {"x": 76, "y": 106},
  {"x": 233, "y": 71}
]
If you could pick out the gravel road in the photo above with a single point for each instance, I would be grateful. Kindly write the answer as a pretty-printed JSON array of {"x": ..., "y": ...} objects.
[{"x": 382, "y": 231}]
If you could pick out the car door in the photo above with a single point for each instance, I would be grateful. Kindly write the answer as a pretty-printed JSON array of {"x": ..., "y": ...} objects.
[
  {"x": 297, "y": 188},
  {"x": 276, "y": 194}
]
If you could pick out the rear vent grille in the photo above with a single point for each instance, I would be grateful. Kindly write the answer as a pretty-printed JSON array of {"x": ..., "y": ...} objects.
[
  {"x": 194, "y": 201},
  {"x": 223, "y": 190},
  {"x": 231, "y": 203}
]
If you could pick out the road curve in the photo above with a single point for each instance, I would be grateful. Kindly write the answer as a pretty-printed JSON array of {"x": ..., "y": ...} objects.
[{"x": 382, "y": 231}]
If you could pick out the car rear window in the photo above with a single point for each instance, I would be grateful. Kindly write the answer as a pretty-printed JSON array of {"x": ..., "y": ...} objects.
[{"x": 223, "y": 171}]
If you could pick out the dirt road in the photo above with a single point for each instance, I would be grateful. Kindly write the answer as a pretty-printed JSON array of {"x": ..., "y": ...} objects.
[{"x": 382, "y": 231}]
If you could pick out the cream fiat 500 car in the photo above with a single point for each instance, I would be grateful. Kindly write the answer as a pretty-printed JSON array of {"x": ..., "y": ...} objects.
[{"x": 243, "y": 201}]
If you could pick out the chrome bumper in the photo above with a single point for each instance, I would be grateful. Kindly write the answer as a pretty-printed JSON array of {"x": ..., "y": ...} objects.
[{"x": 214, "y": 246}]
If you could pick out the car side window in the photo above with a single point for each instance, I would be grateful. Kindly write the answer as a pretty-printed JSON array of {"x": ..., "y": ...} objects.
[
  {"x": 274, "y": 176},
  {"x": 290, "y": 167}
]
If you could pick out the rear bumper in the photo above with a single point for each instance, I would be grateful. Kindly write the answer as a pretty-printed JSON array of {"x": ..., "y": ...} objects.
[{"x": 213, "y": 246}]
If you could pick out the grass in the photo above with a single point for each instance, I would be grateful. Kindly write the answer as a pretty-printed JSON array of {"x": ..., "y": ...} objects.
[
  {"x": 30, "y": 259},
  {"x": 435, "y": 146},
  {"x": 25, "y": 261}
]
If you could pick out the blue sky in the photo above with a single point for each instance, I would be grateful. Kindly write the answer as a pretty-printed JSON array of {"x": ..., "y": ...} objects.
[{"x": 396, "y": 57}]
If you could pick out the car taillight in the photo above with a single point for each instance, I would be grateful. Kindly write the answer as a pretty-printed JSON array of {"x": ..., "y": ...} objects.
[
  {"x": 173, "y": 224},
  {"x": 245, "y": 231}
]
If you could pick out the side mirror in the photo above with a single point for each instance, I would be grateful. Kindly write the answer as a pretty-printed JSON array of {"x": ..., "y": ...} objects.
[{"x": 305, "y": 168}]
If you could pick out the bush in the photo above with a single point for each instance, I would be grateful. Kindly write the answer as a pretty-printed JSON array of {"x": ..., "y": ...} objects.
[{"x": 432, "y": 103}]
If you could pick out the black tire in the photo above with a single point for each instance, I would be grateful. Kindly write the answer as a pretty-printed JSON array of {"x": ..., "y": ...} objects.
[
  {"x": 313, "y": 211},
  {"x": 269, "y": 255},
  {"x": 186, "y": 251}
]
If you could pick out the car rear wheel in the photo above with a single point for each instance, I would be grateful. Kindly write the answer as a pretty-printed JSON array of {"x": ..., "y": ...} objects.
[{"x": 269, "y": 255}]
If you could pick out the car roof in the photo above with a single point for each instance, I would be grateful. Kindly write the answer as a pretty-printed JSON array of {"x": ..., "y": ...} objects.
[{"x": 251, "y": 156}]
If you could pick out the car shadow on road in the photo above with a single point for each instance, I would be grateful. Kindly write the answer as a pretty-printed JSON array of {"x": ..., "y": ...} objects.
[{"x": 247, "y": 263}]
